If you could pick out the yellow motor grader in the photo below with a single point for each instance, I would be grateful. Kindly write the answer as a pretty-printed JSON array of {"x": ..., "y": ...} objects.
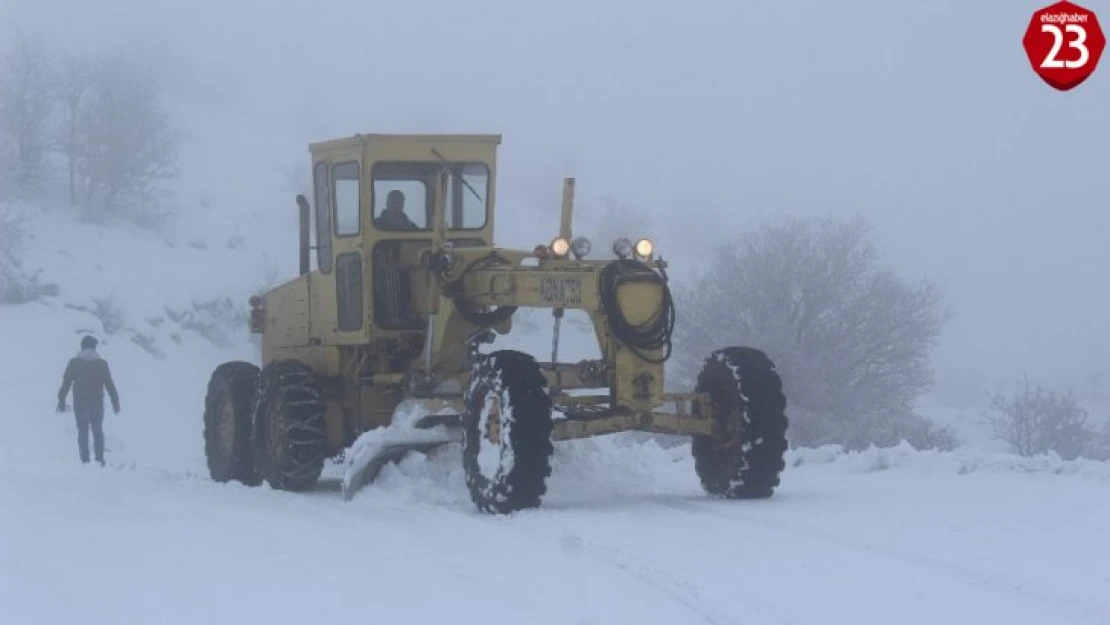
[{"x": 403, "y": 306}]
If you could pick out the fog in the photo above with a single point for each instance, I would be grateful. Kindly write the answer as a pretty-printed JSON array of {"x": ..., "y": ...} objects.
[{"x": 926, "y": 117}]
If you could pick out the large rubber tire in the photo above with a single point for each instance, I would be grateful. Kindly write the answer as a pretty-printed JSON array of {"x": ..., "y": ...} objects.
[
  {"x": 746, "y": 459},
  {"x": 510, "y": 474},
  {"x": 290, "y": 429},
  {"x": 228, "y": 406}
]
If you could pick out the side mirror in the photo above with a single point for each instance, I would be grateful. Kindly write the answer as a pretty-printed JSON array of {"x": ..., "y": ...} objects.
[{"x": 305, "y": 224}]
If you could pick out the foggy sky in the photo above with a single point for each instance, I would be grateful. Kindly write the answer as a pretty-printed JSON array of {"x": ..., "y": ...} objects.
[{"x": 926, "y": 117}]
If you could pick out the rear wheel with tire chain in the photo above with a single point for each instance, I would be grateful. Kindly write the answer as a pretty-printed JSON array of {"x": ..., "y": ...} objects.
[
  {"x": 290, "y": 430},
  {"x": 745, "y": 459},
  {"x": 507, "y": 427},
  {"x": 228, "y": 408}
]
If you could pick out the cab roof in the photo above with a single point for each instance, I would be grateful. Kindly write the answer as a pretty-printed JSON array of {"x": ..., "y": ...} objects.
[{"x": 360, "y": 140}]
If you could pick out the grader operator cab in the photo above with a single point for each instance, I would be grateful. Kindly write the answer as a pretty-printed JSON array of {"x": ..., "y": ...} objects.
[{"x": 409, "y": 292}]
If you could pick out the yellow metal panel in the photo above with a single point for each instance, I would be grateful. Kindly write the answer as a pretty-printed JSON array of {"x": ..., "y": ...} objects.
[
  {"x": 323, "y": 360},
  {"x": 640, "y": 302},
  {"x": 638, "y": 384},
  {"x": 574, "y": 287},
  {"x": 323, "y": 306},
  {"x": 286, "y": 308}
]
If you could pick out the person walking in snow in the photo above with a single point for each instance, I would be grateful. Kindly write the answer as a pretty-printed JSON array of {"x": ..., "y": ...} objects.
[{"x": 89, "y": 376}]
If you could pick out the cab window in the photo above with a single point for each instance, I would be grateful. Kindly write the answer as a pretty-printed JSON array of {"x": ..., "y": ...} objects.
[
  {"x": 403, "y": 195},
  {"x": 322, "y": 189},
  {"x": 348, "y": 291},
  {"x": 468, "y": 188},
  {"x": 347, "y": 214}
]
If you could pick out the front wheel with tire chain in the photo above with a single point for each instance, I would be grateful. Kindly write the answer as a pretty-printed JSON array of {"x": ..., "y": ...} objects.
[
  {"x": 746, "y": 457},
  {"x": 228, "y": 407},
  {"x": 507, "y": 426},
  {"x": 290, "y": 429}
]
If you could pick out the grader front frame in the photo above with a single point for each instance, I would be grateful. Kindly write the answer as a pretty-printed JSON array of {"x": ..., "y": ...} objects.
[{"x": 401, "y": 310}]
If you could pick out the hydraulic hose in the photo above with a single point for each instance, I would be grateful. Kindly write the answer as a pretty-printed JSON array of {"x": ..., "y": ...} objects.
[{"x": 654, "y": 335}]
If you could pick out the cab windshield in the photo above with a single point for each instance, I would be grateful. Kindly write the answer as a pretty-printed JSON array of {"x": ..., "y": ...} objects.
[{"x": 403, "y": 195}]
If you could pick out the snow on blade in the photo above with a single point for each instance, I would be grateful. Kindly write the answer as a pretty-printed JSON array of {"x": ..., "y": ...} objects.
[{"x": 375, "y": 448}]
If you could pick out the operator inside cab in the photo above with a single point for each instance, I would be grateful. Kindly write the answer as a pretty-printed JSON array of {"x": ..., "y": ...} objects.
[{"x": 394, "y": 217}]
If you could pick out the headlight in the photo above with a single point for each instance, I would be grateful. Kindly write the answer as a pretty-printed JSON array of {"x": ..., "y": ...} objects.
[
  {"x": 560, "y": 247},
  {"x": 644, "y": 248},
  {"x": 622, "y": 247},
  {"x": 580, "y": 246}
]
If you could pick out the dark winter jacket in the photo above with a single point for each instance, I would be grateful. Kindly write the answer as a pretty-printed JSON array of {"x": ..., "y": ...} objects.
[
  {"x": 89, "y": 376},
  {"x": 394, "y": 219}
]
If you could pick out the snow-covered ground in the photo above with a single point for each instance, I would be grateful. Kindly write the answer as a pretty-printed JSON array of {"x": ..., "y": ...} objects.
[{"x": 624, "y": 536}]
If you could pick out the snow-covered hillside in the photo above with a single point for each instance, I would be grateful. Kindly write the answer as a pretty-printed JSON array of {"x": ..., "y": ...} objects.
[{"x": 625, "y": 534}]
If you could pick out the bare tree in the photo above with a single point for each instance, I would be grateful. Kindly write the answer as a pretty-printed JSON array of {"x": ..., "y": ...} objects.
[
  {"x": 72, "y": 88},
  {"x": 26, "y": 102},
  {"x": 1099, "y": 447},
  {"x": 851, "y": 340},
  {"x": 125, "y": 145},
  {"x": 1097, "y": 385},
  {"x": 1034, "y": 420},
  {"x": 12, "y": 236}
]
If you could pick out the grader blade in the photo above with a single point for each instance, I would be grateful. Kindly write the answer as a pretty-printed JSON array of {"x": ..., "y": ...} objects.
[{"x": 374, "y": 449}]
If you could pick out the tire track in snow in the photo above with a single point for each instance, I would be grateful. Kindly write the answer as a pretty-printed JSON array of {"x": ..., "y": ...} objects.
[
  {"x": 173, "y": 476},
  {"x": 681, "y": 590},
  {"x": 686, "y": 594},
  {"x": 943, "y": 569},
  {"x": 669, "y": 585}
]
